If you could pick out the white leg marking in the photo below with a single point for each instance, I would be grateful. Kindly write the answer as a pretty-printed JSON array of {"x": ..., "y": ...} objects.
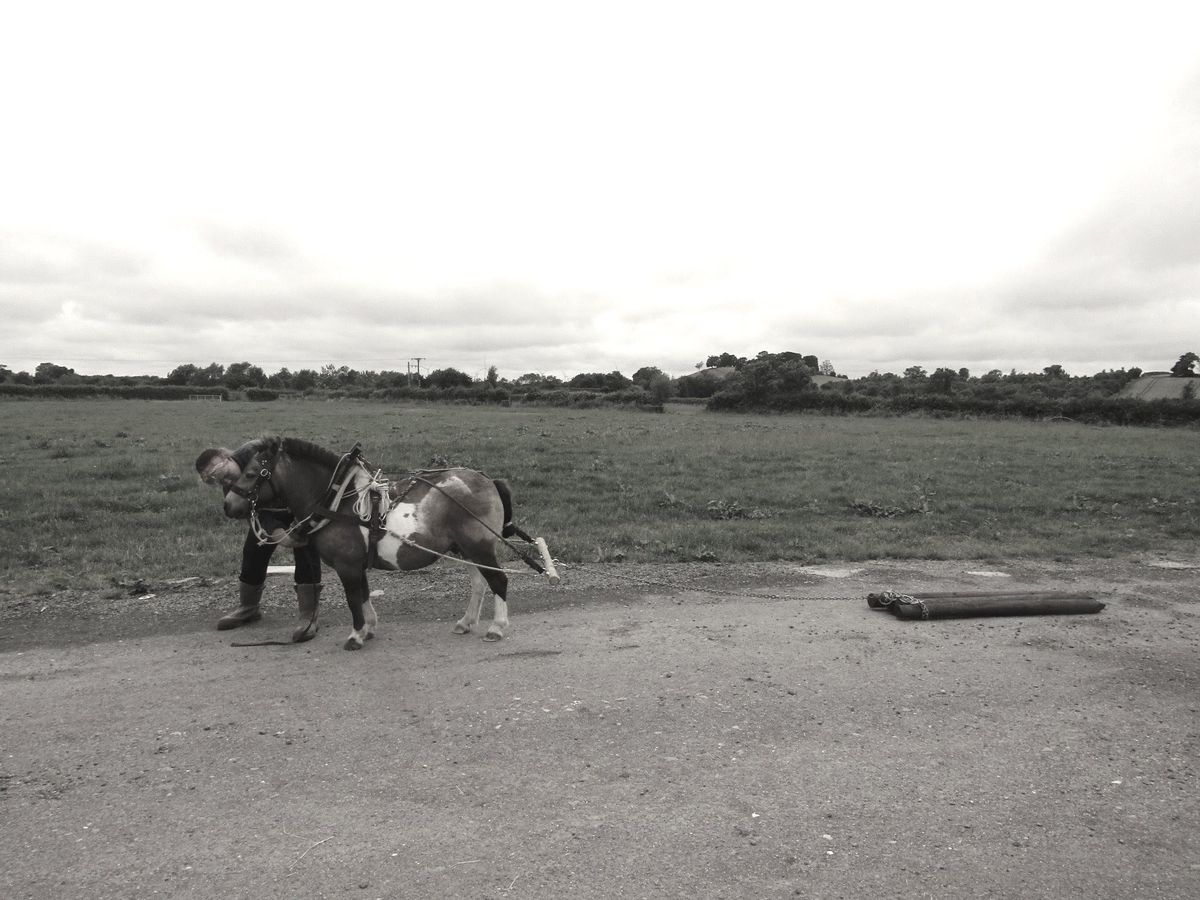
[
  {"x": 499, "y": 621},
  {"x": 372, "y": 619},
  {"x": 479, "y": 591}
]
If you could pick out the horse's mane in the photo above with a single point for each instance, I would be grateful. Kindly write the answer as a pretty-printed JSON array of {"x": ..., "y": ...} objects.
[
  {"x": 301, "y": 449},
  {"x": 294, "y": 447},
  {"x": 243, "y": 454}
]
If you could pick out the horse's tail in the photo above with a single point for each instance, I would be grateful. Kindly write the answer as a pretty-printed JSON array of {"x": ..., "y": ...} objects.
[{"x": 505, "y": 493}]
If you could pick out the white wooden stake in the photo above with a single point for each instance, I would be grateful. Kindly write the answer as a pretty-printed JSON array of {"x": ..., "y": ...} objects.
[{"x": 547, "y": 562}]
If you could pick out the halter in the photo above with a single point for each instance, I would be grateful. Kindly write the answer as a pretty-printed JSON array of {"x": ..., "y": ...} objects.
[
  {"x": 265, "y": 467},
  {"x": 322, "y": 513}
]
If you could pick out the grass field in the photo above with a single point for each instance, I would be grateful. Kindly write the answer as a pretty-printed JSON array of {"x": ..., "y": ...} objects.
[{"x": 98, "y": 494}]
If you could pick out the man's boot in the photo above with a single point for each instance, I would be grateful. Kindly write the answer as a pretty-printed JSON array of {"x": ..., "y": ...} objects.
[
  {"x": 249, "y": 596},
  {"x": 308, "y": 597}
]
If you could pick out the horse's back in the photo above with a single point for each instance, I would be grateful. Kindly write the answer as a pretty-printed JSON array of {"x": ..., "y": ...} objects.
[{"x": 452, "y": 507}]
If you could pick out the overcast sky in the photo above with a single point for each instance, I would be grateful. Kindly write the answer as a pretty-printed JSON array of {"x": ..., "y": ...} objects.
[{"x": 568, "y": 187}]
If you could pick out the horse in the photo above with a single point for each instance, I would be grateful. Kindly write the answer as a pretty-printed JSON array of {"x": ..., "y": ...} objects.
[{"x": 423, "y": 518}]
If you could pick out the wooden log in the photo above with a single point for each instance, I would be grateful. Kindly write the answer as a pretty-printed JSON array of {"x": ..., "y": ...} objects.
[
  {"x": 967, "y": 604},
  {"x": 547, "y": 562}
]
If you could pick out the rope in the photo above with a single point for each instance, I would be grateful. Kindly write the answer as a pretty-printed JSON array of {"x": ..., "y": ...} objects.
[
  {"x": 890, "y": 598},
  {"x": 417, "y": 476},
  {"x": 353, "y": 456},
  {"x": 651, "y": 582},
  {"x": 466, "y": 562},
  {"x": 264, "y": 537}
]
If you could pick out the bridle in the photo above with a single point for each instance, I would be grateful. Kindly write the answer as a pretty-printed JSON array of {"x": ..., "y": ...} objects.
[{"x": 265, "y": 468}]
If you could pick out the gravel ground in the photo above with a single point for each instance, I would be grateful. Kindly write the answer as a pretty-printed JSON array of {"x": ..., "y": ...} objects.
[{"x": 667, "y": 731}]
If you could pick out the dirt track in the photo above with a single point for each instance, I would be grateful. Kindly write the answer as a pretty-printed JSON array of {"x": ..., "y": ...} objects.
[{"x": 626, "y": 740}]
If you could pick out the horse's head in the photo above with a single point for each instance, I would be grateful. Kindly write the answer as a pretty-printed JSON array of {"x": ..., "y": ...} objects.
[{"x": 244, "y": 475}]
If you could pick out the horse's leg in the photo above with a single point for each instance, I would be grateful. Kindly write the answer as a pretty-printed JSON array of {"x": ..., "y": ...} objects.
[
  {"x": 370, "y": 617},
  {"x": 479, "y": 590},
  {"x": 354, "y": 581},
  {"x": 498, "y": 582}
]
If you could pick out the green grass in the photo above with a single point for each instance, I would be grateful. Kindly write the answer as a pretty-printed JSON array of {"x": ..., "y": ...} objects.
[{"x": 97, "y": 493}]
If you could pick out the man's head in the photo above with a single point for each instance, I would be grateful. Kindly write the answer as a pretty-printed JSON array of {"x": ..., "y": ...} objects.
[{"x": 216, "y": 465}]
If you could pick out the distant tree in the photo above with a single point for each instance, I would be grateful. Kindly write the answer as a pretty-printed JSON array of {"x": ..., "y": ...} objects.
[
  {"x": 964, "y": 373},
  {"x": 659, "y": 387},
  {"x": 538, "y": 381},
  {"x": 23, "y": 378},
  {"x": 242, "y": 375},
  {"x": 701, "y": 384},
  {"x": 209, "y": 376},
  {"x": 304, "y": 380},
  {"x": 769, "y": 375},
  {"x": 1054, "y": 371},
  {"x": 5, "y": 373},
  {"x": 914, "y": 373},
  {"x": 281, "y": 380},
  {"x": 1183, "y": 368},
  {"x": 1109, "y": 382},
  {"x": 390, "y": 378},
  {"x": 942, "y": 381},
  {"x": 492, "y": 378},
  {"x": 599, "y": 381},
  {"x": 182, "y": 374},
  {"x": 643, "y": 376},
  {"x": 826, "y": 368},
  {"x": 332, "y": 378},
  {"x": 448, "y": 378},
  {"x": 49, "y": 373},
  {"x": 724, "y": 360}
]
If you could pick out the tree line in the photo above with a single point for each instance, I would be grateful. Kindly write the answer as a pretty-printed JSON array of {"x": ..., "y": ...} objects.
[{"x": 785, "y": 381}]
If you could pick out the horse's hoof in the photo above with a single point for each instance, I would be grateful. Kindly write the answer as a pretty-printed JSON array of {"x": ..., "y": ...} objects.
[
  {"x": 492, "y": 636},
  {"x": 352, "y": 645},
  {"x": 462, "y": 629},
  {"x": 304, "y": 633},
  {"x": 370, "y": 635}
]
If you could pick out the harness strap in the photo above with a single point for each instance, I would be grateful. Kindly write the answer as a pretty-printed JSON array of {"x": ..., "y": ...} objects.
[
  {"x": 525, "y": 558},
  {"x": 373, "y": 517},
  {"x": 322, "y": 515}
]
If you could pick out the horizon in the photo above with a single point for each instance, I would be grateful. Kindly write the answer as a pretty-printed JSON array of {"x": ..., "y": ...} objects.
[{"x": 426, "y": 370}]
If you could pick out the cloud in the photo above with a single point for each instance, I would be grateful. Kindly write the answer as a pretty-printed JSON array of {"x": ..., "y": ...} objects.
[
  {"x": 1137, "y": 244},
  {"x": 259, "y": 245},
  {"x": 30, "y": 259},
  {"x": 553, "y": 188}
]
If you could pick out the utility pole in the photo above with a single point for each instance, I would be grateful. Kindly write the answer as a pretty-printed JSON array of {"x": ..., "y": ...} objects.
[{"x": 417, "y": 360}]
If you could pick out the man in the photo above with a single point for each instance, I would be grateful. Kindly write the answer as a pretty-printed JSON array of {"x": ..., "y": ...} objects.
[{"x": 222, "y": 467}]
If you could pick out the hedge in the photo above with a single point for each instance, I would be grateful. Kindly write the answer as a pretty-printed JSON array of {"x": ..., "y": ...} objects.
[{"x": 120, "y": 392}]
